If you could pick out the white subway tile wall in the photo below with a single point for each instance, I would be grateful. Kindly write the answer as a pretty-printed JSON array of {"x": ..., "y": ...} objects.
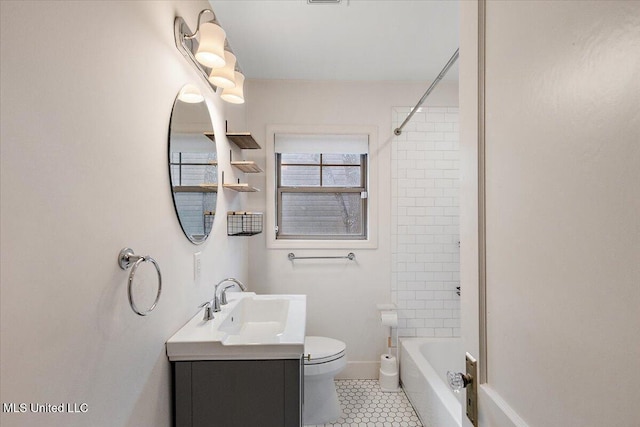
[{"x": 425, "y": 233}]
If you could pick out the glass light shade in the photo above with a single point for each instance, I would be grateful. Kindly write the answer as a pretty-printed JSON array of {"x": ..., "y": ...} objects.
[
  {"x": 211, "y": 48},
  {"x": 190, "y": 94},
  {"x": 235, "y": 95},
  {"x": 224, "y": 77}
]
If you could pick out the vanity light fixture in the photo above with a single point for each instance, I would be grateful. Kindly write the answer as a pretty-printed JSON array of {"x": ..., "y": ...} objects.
[
  {"x": 211, "y": 49},
  {"x": 224, "y": 77},
  {"x": 209, "y": 52},
  {"x": 235, "y": 95}
]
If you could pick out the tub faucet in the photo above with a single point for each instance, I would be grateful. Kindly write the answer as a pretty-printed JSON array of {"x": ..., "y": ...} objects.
[{"x": 220, "y": 296}]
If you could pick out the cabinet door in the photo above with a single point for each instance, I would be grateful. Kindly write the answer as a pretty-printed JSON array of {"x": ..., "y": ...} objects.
[
  {"x": 238, "y": 393},
  {"x": 293, "y": 386}
]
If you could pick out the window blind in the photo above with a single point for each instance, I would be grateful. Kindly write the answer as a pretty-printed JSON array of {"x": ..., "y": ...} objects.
[{"x": 326, "y": 144}]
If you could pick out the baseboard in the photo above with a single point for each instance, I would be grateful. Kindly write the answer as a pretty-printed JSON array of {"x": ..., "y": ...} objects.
[{"x": 360, "y": 371}]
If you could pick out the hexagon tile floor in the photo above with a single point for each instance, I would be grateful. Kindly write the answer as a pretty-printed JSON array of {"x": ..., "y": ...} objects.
[{"x": 364, "y": 405}]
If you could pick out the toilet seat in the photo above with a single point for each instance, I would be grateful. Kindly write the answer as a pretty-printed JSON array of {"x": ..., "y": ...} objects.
[{"x": 318, "y": 350}]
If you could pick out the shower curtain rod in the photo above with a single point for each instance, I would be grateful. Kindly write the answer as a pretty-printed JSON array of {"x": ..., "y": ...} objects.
[{"x": 398, "y": 130}]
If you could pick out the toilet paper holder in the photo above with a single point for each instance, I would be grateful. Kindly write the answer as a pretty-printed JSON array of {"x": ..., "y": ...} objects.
[
  {"x": 388, "y": 314},
  {"x": 389, "y": 318}
]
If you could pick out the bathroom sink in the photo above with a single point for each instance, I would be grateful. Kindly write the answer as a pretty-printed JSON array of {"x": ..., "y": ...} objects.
[
  {"x": 256, "y": 320},
  {"x": 250, "y": 326}
]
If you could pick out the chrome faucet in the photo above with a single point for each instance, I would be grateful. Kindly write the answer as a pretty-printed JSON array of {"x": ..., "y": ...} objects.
[{"x": 220, "y": 296}]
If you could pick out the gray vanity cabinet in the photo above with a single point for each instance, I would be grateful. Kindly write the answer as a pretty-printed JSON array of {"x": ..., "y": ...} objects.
[{"x": 238, "y": 393}]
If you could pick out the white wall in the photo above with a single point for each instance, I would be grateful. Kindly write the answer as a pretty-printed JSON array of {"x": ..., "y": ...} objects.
[
  {"x": 87, "y": 91},
  {"x": 342, "y": 296},
  {"x": 425, "y": 234},
  {"x": 563, "y": 196}
]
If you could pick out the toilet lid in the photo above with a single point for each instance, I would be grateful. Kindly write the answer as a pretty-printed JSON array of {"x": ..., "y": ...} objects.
[{"x": 322, "y": 350}]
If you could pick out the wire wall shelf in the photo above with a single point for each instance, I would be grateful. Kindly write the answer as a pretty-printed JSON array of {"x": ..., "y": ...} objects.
[{"x": 244, "y": 223}]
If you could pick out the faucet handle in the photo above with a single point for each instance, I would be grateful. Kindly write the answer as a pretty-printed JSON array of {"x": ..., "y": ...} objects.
[{"x": 208, "y": 312}]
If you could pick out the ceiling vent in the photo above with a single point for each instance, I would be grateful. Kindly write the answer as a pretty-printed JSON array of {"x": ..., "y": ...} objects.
[{"x": 323, "y": 1}]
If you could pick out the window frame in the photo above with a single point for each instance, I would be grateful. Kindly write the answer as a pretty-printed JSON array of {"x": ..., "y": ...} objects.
[
  {"x": 363, "y": 188},
  {"x": 371, "y": 205}
]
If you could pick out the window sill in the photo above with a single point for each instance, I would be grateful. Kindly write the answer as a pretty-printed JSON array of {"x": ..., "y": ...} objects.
[{"x": 321, "y": 244}]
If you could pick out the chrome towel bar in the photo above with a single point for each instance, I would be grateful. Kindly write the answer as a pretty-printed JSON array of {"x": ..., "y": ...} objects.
[
  {"x": 350, "y": 256},
  {"x": 125, "y": 258}
]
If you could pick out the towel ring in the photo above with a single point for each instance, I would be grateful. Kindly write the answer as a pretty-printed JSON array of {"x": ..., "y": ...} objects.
[{"x": 125, "y": 258}]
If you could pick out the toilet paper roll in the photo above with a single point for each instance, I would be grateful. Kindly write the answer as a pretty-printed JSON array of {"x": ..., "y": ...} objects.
[
  {"x": 388, "y": 364},
  {"x": 389, "y": 318},
  {"x": 389, "y": 382}
]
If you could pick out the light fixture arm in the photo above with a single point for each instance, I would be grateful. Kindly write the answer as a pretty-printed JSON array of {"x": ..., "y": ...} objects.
[{"x": 195, "y": 33}]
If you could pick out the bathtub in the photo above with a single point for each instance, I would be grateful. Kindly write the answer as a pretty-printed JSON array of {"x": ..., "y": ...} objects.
[{"x": 424, "y": 363}]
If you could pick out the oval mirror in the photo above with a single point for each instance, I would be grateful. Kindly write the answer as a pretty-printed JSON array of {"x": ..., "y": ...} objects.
[{"x": 193, "y": 165}]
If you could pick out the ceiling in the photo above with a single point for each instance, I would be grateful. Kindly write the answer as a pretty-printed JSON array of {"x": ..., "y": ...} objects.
[{"x": 370, "y": 40}]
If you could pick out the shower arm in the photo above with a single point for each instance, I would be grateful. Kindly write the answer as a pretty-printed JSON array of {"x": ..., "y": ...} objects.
[{"x": 398, "y": 130}]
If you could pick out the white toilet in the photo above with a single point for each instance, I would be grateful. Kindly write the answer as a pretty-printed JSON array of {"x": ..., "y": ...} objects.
[{"x": 323, "y": 359}]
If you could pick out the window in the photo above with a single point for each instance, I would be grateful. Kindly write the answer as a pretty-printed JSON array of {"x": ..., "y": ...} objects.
[{"x": 321, "y": 187}]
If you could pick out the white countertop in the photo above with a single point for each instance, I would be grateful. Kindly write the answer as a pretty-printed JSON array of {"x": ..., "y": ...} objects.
[{"x": 203, "y": 340}]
